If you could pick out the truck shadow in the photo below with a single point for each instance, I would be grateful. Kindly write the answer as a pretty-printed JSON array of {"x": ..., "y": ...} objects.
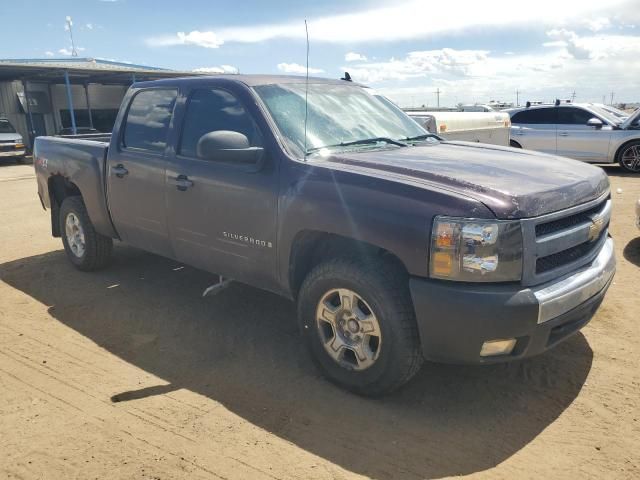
[{"x": 241, "y": 348}]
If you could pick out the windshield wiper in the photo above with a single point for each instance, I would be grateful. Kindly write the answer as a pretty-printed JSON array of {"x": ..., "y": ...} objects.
[
  {"x": 420, "y": 137},
  {"x": 364, "y": 141}
]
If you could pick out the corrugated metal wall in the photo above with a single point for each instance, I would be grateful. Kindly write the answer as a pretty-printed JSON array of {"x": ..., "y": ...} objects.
[{"x": 10, "y": 108}]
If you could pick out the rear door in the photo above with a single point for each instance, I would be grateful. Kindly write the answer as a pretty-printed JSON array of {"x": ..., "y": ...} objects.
[
  {"x": 578, "y": 140},
  {"x": 136, "y": 171},
  {"x": 535, "y": 129},
  {"x": 222, "y": 216}
]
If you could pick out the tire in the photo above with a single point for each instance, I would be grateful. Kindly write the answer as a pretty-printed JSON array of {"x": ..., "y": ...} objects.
[
  {"x": 19, "y": 160},
  {"x": 514, "y": 144},
  {"x": 86, "y": 249},
  {"x": 382, "y": 291},
  {"x": 629, "y": 157}
]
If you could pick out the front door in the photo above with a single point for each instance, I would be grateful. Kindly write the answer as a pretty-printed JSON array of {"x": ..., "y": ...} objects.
[
  {"x": 222, "y": 215},
  {"x": 136, "y": 171},
  {"x": 578, "y": 140}
]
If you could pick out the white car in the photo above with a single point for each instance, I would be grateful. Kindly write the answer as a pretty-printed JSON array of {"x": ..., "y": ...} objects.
[
  {"x": 583, "y": 131},
  {"x": 11, "y": 143}
]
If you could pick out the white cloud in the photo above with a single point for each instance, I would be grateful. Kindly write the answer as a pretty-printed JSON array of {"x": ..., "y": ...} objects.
[
  {"x": 49, "y": 53},
  {"x": 446, "y": 61},
  {"x": 403, "y": 21},
  {"x": 571, "y": 41},
  {"x": 297, "y": 68},
  {"x": 597, "y": 24},
  {"x": 354, "y": 57},
  {"x": 68, "y": 52},
  {"x": 220, "y": 69},
  {"x": 89, "y": 26}
]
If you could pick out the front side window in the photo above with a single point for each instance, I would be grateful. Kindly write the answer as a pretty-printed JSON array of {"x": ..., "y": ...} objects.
[
  {"x": 213, "y": 110},
  {"x": 336, "y": 114},
  {"x": 535, "y": 116},
  {"x": 573, "y": 116},
  {"x": 148, "y": 120}
]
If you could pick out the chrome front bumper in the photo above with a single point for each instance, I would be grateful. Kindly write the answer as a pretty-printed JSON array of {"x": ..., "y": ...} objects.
[
  {"x": 558, "y": 297},
  {"x": 13, "y": 153}
]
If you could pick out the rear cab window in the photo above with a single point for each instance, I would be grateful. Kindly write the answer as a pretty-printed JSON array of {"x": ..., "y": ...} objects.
[{"x": 148, "y": 118}]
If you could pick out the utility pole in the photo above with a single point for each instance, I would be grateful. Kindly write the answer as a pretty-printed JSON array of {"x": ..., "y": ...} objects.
[
  {"x": 74, "y": 53},
  {"x": 604, "y": 99},
  {"x": 438, "y": 96},
  {"x": 573, "y": 96},
  {"x": 517, "y": 98},
  {"x": 612, "y": 94}
]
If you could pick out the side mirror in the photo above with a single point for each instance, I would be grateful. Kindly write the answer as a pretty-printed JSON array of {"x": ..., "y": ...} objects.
[
  {"x": 228, "y": 146},
  {"x": 595, "y": 122}
]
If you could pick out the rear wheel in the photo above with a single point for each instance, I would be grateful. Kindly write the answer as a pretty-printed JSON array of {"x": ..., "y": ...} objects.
[
  {"x": 629, "y": 157},
  {"x": 359, "y": 325},
  {"x": 86, "y": 248}
]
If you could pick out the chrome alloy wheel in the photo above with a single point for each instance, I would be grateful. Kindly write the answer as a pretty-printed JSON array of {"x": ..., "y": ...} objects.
[
  {"x": 348, "y": 328},
  {"x": 631, "y": 158},
  {"x": 75, "y": 234}
]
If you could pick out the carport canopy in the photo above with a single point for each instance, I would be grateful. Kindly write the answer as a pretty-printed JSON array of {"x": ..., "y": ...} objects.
[{"x": 79, "y": 71}]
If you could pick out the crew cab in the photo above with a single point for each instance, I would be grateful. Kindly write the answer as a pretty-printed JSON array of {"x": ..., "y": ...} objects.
[
  {"x": 397, "y": 246},
  {"x": 584, "y": 131}
]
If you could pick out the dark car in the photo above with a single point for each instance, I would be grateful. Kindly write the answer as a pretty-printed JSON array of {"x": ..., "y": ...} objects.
[{"x": 395, "y": 245}]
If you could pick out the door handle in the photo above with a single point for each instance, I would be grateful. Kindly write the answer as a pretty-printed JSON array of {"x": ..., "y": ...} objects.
[
  {"x": 182, "y": 182},
  {"x": 119, "y": 171},
  {"x": 563, "y": 134}
]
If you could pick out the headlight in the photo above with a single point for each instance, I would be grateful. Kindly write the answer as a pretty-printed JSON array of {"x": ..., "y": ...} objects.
[{"x": 476, "y": 250}]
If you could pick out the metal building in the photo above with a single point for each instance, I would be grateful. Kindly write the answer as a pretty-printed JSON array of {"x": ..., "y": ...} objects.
[{"x": 44, "y": 96}]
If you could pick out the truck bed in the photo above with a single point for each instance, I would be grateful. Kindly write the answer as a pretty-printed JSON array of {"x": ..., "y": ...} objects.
[{"x": 80, "y": 162}]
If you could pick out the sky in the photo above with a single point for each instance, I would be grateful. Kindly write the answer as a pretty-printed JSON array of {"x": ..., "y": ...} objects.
[{"x": 470, "y": 50}]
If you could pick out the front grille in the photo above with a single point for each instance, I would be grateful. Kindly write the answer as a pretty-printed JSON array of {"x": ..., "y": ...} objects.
[
  {"x": 560, "y": 242},
  {"x": 570, "y": 255},
  {"x": 7, "y": 147},
  {"x": 568, "y": 222}
]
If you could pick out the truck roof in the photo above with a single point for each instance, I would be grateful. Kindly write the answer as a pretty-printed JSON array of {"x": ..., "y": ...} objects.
[{"x": 249, "y": 80}]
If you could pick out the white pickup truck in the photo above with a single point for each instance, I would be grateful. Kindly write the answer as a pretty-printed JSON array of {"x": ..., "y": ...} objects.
[{"x": 11, "y": 143}]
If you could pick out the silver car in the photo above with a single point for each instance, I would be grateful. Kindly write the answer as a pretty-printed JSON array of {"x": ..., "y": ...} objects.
[{"x": 583, "y": 131}]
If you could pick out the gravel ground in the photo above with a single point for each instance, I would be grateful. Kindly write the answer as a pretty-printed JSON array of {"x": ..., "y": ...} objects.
[{"x": 130, "y": 373}]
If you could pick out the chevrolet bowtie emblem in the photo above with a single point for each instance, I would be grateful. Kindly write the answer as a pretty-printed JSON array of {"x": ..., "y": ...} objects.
[{"x": 595, "y": 228}]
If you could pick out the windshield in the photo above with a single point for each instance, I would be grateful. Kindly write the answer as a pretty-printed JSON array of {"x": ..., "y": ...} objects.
[
  {"x": 6, "y": 127},
  {"x": 336, "y": 114}
]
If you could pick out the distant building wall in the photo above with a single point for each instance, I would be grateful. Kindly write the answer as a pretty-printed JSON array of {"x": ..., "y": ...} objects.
[{"x": 101, "y": 97}]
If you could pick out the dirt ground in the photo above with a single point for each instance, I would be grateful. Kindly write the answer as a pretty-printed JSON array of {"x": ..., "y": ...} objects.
[{"x": 130, "y": 373}]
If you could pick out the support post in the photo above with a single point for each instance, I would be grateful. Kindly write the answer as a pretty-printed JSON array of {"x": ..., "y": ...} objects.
[
  {"x": 74, "y": 128},
  {"x": 32, "y": 131},
  {"x": 86, "y": 94}
]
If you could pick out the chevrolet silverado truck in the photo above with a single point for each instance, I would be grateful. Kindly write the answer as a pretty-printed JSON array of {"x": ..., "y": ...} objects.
[{"x": 396, "y": 245}]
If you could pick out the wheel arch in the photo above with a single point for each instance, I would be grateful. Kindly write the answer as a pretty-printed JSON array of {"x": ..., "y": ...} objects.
[
  {"x": 311, "y": 247},
  {"x": 59, "y": 188},
  {"x": 616, "y": 156}
]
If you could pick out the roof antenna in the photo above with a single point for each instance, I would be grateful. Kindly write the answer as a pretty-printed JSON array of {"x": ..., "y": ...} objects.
[
  {"x": 347, "y": 77},
  {"x": 306, "y": 94}
]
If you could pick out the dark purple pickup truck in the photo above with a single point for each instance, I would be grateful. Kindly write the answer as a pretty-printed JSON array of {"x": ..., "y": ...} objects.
[{"x": 397, "y": 246}]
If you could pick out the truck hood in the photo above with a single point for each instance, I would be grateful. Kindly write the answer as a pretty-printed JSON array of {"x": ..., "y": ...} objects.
[
  {"x": 6, "y": 137},
  {"x": 513, "y": 183}
]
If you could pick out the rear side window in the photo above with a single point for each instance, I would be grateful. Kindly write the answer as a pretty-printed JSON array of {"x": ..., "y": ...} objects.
[
  {"x": 211, "y": 110},
  {"x": 535, "y": 116},
  {"x": 574, "y": 116},
  {"x": 148, "y": 120}
]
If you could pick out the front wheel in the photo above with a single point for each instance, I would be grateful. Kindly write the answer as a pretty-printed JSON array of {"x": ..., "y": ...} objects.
[
  {"x": 629, "y": 157},
  {"x": 86, "y": 248},
  {"x": 359, "y": 325}
]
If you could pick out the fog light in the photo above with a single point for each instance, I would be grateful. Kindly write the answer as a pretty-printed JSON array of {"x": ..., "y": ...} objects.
[{"x": 497, "y": 347}]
